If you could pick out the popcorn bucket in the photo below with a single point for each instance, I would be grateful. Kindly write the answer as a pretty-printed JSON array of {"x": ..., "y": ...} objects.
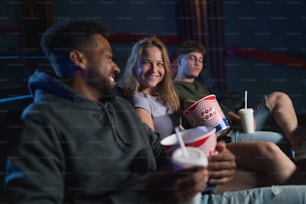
[
  {"x": 203, "y": 138},
  {"x": 207, "y": 112}
]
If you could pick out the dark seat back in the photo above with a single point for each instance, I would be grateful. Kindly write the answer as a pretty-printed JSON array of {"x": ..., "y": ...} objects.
[{"x": 10, "y": 128}]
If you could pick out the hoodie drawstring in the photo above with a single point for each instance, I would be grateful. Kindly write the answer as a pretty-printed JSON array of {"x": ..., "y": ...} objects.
[{"x": 112, "y": 117}]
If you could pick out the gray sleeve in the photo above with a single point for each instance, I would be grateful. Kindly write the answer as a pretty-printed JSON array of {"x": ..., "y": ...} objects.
[
  {"x": 140, "y": 101},
  {"x": 30, "y": 171}
]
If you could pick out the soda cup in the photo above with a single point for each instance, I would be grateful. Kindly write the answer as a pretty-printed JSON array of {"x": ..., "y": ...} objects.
[
  {"x": 247, "y": 119},
  {"x": 195, "y": 158}
]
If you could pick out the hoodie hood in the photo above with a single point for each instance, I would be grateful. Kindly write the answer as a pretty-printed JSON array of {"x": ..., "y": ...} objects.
[
  {"x": 42, "y": 82},
  {"x": 45, "y": 88}
]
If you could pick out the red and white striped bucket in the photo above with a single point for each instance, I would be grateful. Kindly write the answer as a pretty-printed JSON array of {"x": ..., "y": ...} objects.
[{"x": 207, "y": 112}]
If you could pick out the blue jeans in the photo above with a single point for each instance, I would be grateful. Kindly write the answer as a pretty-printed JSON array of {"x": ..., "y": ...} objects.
[{"x": 270, "y": 195}]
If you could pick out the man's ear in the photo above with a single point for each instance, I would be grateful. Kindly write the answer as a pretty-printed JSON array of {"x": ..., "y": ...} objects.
[{"x": 78, "y": 58}]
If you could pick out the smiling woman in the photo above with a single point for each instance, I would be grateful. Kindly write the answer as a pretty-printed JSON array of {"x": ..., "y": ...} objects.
[
  {"x": 150, "y": 70},
  {"x": 147, "y": 83}
]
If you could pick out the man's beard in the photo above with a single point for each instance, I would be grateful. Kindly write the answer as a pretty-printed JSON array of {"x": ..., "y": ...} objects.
[{"x": 103, "y": 85}]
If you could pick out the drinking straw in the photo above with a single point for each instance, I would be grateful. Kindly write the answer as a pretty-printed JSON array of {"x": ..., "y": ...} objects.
[
  {"x": 181, "y": 142},
  {"x": 245, "y": 99}
]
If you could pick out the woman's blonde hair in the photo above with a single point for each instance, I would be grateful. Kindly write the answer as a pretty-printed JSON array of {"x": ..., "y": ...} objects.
[{"x": 130, "y": 84}]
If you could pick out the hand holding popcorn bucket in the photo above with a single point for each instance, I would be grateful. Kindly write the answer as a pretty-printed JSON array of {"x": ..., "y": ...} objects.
[
  {"x": 207, "y": 112},
  {"x": 202, "y": 138}
]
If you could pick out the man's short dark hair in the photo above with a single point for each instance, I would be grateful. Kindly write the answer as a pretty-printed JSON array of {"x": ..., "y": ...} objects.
[
  {"x": 67, "y": 35},
  {"x": 70, "y": 34},
  {"x": 190, "y": 46}
]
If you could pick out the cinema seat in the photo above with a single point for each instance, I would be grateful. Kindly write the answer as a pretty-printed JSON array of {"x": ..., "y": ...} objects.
[{"x": 10, "y": 128}]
